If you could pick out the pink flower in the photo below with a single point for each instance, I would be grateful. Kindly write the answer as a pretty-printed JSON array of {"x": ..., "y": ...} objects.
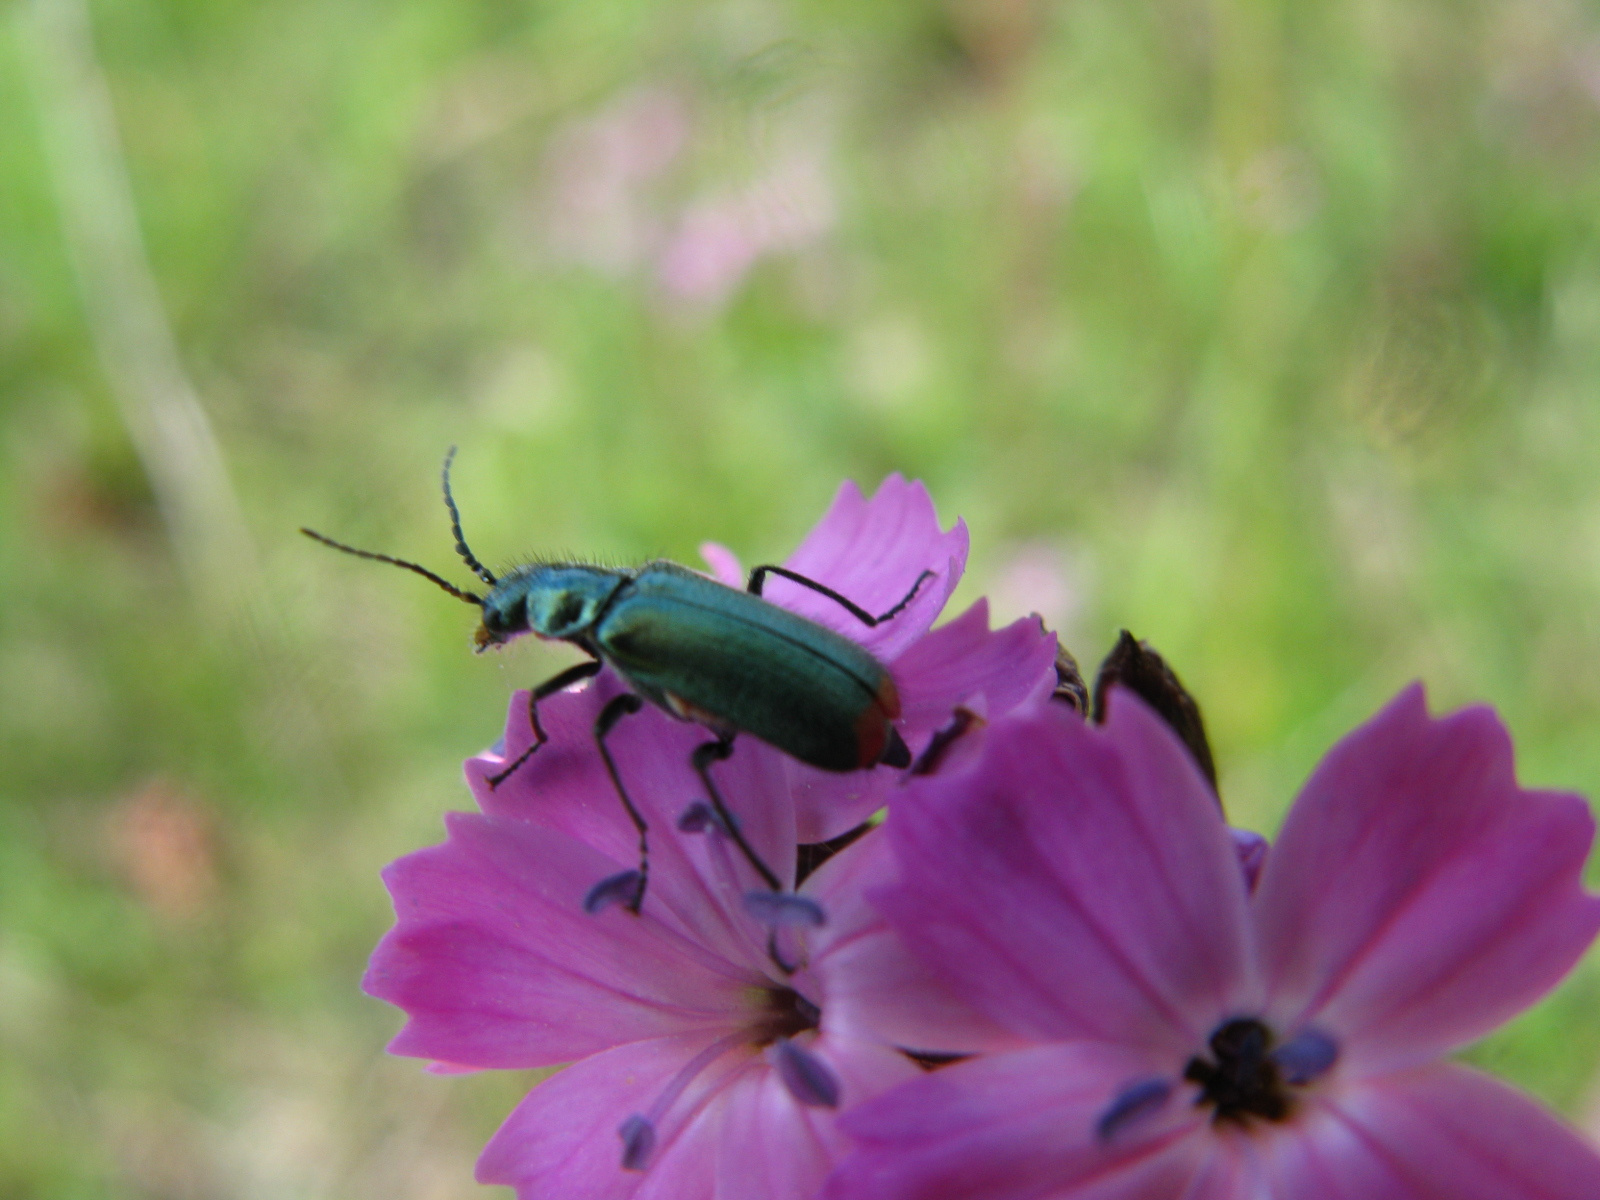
[
  {"x": 1183, "y": 1037},
  {"x": 601, "y": 171},
  {"x": 872, "y": 551},
  {"x": 714, "y": 1034},
  {"x": 721, "y": 237}
]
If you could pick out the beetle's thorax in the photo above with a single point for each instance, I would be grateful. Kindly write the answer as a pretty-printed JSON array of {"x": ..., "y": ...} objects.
[{"x": 550, "y": 600}]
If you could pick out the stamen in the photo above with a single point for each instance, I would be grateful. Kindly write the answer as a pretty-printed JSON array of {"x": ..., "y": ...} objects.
[
  {"x": 1135, "y": 1101},
  {"x": 785, "y": 910},
  {"x": 638, "y": 1132},
  {"x": 777, "y": 910},
  {"x": 1307, "y": 1055},
  {"x": 700, "y": 816},
  {"x": 638, "y": 1142},
  {"x": 807, "y": 1077},
  {"x": 1251, "y": 850},
  {"x": 697, "y": 818},
  {"x": 625, "y": 888}
]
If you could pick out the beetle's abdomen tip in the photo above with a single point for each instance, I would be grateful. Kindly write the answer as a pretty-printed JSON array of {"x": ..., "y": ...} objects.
[{"x": 896, "y": 753}]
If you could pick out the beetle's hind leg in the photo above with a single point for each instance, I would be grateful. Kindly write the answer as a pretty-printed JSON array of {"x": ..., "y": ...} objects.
[
  {"x": 758, "y": 579},
  {"x": 556, "y": 683},
  {"x": 702, "y": 758}
]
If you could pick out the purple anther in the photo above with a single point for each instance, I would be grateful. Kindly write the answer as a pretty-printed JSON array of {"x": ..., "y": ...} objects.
[
  {"x": 1305, "y": 1056},
  {"x": 1134, "y": 1101},
  {"x": 700, "y": 816},
  {"x": 1251, "y": 849},
  {"x": 784, "y": 910},
  {"x": 697, "y": 818},
  {"x": 625, "y": 887},
  {"x": 638, "y": 1142},
  {"x": 805, "y": 1075}
]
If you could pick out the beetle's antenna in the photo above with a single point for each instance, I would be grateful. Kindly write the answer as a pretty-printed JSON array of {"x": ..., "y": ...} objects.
[
  {"x": 478, "y": 569},
  {"x": 458, "y": 593}
]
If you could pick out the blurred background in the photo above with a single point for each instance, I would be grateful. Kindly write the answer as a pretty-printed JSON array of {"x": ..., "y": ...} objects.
[{"x": 1269, "y": 329}]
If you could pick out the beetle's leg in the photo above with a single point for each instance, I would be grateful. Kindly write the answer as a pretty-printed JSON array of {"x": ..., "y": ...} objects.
[
  {"x": 702, "y": 758},
  {"x": 556, "y": 683},
  {"x": 811, "y": 855},
  {"x": 962, "y": 720},
  {"x": 758, "y": 579},
  {"x": 616, "y": 708}
]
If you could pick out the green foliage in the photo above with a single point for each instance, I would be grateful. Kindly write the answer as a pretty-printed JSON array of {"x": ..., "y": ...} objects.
[{"x": 1268, "y": 330}]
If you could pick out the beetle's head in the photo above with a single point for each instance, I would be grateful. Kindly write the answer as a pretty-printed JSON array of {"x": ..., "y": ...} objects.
[
  {"x": 560, "y": 601},
  {"x": 550, "y": 600},
  {"x": 505, "y": 614}
]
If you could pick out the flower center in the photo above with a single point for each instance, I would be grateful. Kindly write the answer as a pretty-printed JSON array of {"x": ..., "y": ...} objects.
[
  {"x": 1242, "y": 1080},
  {"x": 1250, "y": 1076},
  {"x": 781, "y": 1012}
]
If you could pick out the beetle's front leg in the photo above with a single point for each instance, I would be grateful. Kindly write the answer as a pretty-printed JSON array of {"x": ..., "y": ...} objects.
[
  {"x": 626, "y": 887},
  {"x": 556, "y": 683}
]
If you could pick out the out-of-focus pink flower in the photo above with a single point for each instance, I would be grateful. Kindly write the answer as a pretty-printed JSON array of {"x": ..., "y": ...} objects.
[
  {"x": 718, "y": 239},
  {"x": 1040, "y": 577},
  {"x": 713, "y": 1034},
  {"x": 600, "y": 168},
  {"x": 1188, "y": 1039},
  {"x": 162, "y": 839}
]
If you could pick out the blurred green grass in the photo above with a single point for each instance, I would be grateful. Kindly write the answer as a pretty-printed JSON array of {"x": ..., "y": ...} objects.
[{"x": 1270, "y": 331}]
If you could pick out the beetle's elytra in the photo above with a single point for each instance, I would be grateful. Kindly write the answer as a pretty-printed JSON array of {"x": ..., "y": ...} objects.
[
  {"x": 699, "y": 650},
  {"x": 710, "y": 653}
]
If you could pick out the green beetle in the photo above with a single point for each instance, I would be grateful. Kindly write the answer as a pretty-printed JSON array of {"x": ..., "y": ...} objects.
[{"x": 699, "y": 650}]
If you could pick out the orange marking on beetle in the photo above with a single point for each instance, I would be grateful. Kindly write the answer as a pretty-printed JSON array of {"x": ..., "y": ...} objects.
[
  {"x": 889, "y": 697},
  {"x": 686, "y": 711},
  {"x": 872, "y": 725},
  {"x": 872, "y": 735}
]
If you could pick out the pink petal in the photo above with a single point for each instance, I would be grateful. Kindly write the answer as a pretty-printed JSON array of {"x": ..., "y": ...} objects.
[
  {"x": 724, "y": 564},
  {"x": 775, "y": 1149},
  {"x": 562, "y": 1139},
  {"x": 1013, "y": 1127},
  {"x": 1435, "y": 1133},
  {"x": 1229, "y": 1172},
  {"x": 963, "y": 659},
  {"x": 735, "y": 1122},
  {"x": 875, "y": 988},
  {"x": 450, "y": 1068},
  {"x": 1076, "y": 882},
  {"x": 961, "y": 662},
  {"x": 1417, "y": 897},
  {"x": 871, "y": 551},
  {"x": 497, "y": 965}
]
